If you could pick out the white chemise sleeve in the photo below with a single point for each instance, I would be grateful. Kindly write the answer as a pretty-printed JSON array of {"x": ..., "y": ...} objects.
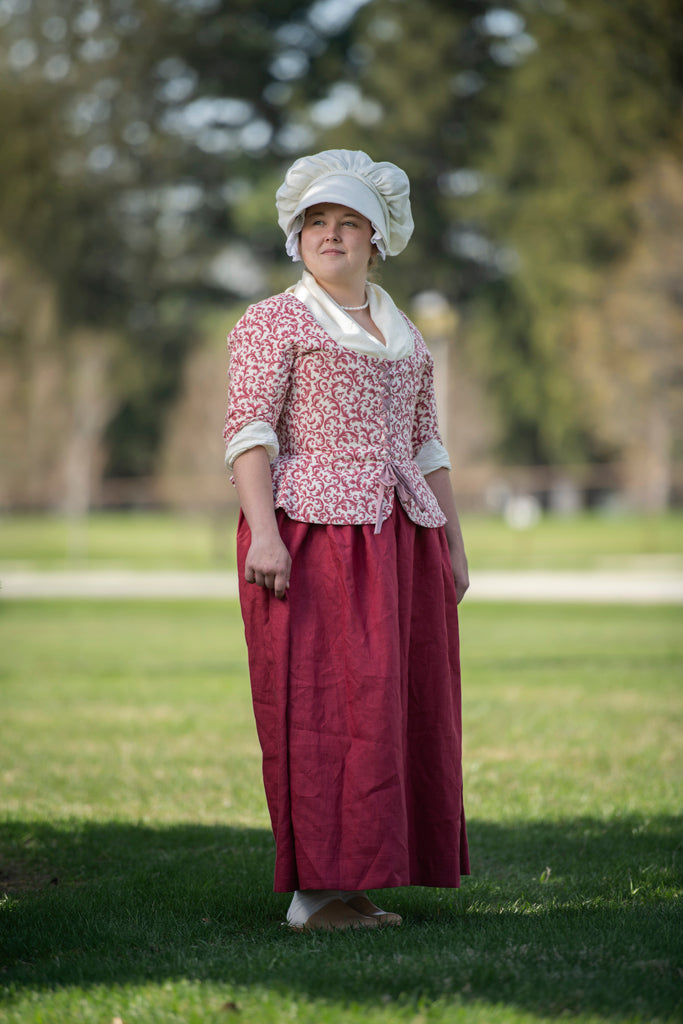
[
  {"x": 251, "y": 436},
  {"x": 432, "y": 455}
]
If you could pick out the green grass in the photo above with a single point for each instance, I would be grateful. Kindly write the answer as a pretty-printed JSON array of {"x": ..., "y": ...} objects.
[
  {"x": 158, "y": 541},
  {"x": 137, "y": 860},
  {"x": 130, "y": 540}
]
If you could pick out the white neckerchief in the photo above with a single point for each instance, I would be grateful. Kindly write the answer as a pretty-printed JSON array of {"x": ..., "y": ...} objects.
[{"x": 344, "y": 329}]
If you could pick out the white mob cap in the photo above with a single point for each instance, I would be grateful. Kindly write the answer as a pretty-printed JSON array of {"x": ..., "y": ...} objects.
[{"x": 379, "y": 191}]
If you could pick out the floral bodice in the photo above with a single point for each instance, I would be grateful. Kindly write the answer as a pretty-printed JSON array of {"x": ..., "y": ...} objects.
[{"x": 348, "y": 424}]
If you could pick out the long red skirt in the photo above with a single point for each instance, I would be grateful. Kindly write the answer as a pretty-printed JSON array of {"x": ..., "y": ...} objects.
[{"x": 356, "y": 688}]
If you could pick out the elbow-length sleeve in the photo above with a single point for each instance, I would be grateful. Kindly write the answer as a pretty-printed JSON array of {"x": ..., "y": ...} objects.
[
  {"x": 428, "y": 449},
  {"x": 261, "y": 359}
]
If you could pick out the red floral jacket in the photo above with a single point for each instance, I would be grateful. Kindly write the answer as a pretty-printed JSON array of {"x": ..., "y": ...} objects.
[{"x": 348, "y": 424}]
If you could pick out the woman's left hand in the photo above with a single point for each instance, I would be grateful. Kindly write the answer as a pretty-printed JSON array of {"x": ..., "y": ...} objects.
[{"x": 460, "y": 572}]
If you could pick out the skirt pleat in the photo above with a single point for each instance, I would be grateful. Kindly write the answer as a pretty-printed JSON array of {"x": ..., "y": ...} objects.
[{"x": 355, "y": 681}]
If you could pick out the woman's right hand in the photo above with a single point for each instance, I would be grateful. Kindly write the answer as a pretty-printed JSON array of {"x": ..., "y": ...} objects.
[{"x": 268, "y": 563}]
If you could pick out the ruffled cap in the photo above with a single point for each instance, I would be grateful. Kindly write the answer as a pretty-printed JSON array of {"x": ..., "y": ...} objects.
[{"x": 379, "y": 191}]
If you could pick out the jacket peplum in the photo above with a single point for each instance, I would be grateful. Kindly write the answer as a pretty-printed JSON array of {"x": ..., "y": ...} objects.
[{"x": 348, "y": 425}]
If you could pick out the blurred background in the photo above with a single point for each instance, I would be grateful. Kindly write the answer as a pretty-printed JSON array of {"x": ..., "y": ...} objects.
[{"x": 141, "y": 143}]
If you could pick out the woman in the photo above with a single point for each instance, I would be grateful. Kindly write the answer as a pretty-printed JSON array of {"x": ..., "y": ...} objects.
[{"x": 351, "y": 559}]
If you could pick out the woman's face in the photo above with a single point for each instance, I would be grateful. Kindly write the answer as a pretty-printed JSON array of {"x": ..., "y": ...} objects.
[{"x": 335, "y": 244}]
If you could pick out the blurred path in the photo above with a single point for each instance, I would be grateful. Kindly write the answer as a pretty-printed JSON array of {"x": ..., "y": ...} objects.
[{"x": 620, "y": 587}]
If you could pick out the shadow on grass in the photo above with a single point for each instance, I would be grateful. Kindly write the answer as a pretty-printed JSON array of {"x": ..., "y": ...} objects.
[{"x": 573, "y": 916}]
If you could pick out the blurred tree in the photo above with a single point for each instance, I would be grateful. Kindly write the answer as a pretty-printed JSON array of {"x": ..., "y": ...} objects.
[
  {"x": 524, "y": 128},
  {"x": 584, "y": 118},
  {"x": 132, "y": 130},
  {"x": 626, "y": 346}
]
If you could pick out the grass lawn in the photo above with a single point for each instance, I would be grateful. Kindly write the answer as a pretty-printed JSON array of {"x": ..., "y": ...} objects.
[
  {"x": 160, "y": 541},
  {"x": 136, "y": 859}
]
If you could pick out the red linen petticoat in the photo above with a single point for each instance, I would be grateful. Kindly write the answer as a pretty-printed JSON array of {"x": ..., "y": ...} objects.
[{"x": 356, "y": 689}]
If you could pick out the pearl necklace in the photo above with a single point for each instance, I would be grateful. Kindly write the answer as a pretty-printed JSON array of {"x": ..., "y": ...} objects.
[{"x": 355, "y": 309}]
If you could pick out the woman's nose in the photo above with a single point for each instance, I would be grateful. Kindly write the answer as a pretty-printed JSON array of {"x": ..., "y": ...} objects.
[{"x": 331, "y": 233}]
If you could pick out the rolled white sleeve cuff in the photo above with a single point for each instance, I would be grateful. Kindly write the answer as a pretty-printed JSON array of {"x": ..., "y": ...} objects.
[
  {"x": 431, "y": 456},
  {"x": 251, "y": 436}
]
